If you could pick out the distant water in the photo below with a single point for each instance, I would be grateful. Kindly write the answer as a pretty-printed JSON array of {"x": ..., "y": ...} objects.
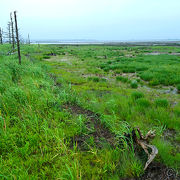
[
  {"x": 68, "y": 43},
  {"x": 89, "y": 42}
]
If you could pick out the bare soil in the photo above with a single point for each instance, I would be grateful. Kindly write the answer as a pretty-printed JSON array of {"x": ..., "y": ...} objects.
[
  {"x": 100, "y": 133},
  {"x": 158, "y": 171}
]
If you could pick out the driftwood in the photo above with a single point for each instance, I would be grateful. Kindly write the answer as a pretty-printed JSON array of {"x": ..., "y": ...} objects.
[{"x": 143, "y": 142}]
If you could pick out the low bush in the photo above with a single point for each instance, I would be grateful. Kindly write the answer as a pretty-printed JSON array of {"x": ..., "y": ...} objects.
[
  {"x": 162, "y": 103},
  {"x": 94, "y": 79},
  {"x": 122, "y": 79},
  {"x": 146, "y": 76},
  {"x": 154, "y": 82},
  {"x": 178, "y": 88},
  {"x": 134, "y": 84},
  {"x": 137, "y": 95},
  {"x": 143, "y": 102}
]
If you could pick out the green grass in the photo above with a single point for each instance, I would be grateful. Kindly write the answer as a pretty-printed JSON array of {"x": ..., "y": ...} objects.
[
  {"x": 134, "y": 85},
  {"x": 178, "y": 87},
  {"x": 161, "y": 69},
  {"x": 162, "y": 103},
  {"x": 137, "y": 95},
  {"x": 122, "y": 79},
  {"x": 37, "y": 130}
]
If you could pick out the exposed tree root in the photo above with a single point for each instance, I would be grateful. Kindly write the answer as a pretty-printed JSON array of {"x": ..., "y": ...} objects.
[{"x": 143, "y": 142}]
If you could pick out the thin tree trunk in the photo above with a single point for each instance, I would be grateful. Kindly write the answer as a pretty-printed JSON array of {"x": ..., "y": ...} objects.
[
  {"x": 1, "y": 42},
  {"x": 12, "y": 31},
  {"x": 29, "y": 42},
  {"x": 9, "y": 32},
  {"x": 17, "y": 37}
]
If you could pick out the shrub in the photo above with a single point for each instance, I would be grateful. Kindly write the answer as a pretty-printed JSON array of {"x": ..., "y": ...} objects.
[
  {"x": 94, "y": 79},
  {"x": 143, "y": 102},
  {"x": 146, "y": 76},
  {"x": 154, "y": 82},
  {"x": 132, "y": 70},
  {"x": 118, "y": 71},
  {"x": 162, "y": 103},
  {"x": 134, "y": 84},
  {"x": 15, "y": 93},
  {"x": 103, "y": 80},
  {"x": 177, "y": 110},
  {"x": 137, "y": 95},
  {"x": 106, "y": 69},
  {"x": 178, "y": 88},
  {"x": 109, "y": 62},
  {"x": 46, "y": 57},
  {"x": 143, "y": 68},
  {"x": 125, "y": 70},
  {"x": 122, "y": 79},
  {"x": 3, "y": 86}
]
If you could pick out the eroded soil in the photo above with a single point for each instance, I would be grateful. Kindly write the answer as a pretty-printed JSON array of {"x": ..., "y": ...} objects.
[
  {"x": 100, "y": 133},
  {"x": 158, "y": 171}
]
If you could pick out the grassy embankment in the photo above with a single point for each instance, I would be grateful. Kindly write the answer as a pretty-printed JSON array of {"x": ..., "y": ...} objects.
[{"x": 43, "y": 107}]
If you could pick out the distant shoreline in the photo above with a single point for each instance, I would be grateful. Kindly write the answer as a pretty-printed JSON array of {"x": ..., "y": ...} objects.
[
  {"x": 66, "y": 43},
  {"x": 133, "y": 43}
]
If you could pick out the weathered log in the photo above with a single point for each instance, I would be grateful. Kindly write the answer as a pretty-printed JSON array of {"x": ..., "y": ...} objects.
[{"x": 143, "y": 143}]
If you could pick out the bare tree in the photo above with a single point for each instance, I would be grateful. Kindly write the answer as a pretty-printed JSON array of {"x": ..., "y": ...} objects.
[
  {"x": 17, "y": 37},
  {"x": 29, "y": 42},
  {"x": 1, "y": 36},
  {"x": 12, "y": 31},
  {"x": 9, "y": 32}
]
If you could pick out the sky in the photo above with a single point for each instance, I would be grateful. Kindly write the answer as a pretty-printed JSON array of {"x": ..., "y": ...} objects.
[{"x": 103, "y": 20}]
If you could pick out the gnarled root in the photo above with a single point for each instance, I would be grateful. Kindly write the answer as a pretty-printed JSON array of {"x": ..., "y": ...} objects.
[{"x": 142, "y": 141}]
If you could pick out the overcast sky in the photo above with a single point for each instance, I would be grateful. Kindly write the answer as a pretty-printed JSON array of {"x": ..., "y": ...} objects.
[{"x": 95, "y": 19}]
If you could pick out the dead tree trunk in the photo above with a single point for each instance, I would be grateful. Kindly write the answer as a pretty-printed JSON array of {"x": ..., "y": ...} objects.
[
  {"x": 9, "y": 32},
  {"x": 17, "y": 37},
  {"x": 12, "y": 31},
  {"x": 1, "y": 38},
  {"x": 29, "y": 42}
]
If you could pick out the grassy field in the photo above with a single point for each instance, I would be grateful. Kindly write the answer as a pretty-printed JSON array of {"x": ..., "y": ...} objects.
[{"x": 67, "y": 111}]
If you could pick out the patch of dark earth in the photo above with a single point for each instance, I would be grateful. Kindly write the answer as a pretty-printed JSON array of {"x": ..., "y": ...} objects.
[
  {"x": 157, "y": 171},
  {"x": 101, "y": 135}
]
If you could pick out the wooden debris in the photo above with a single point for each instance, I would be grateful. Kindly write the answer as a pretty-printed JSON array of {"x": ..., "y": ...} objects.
[{"x": 143, "y": 142}]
